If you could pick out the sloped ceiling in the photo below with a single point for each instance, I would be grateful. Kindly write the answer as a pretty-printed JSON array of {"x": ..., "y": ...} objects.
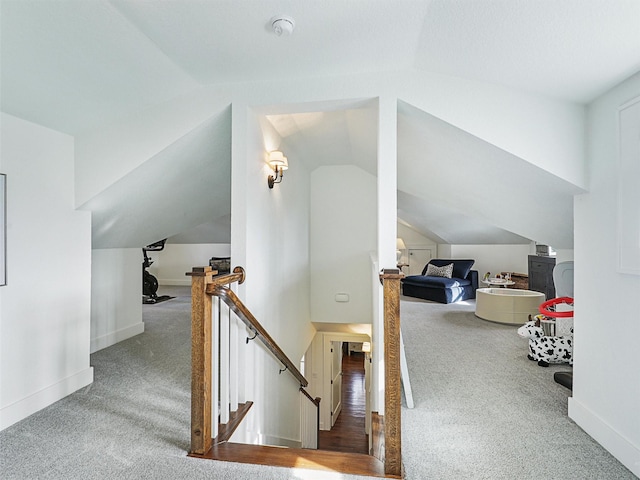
[
  {"x": 185, "y": 186},
  {"x": 452, "y": 187},
  {"x": 76, "y": 65},
  {"x": 441, "y": 164},
  {"x": 73, "y": 65},
  {"x": 570, "y": 49},
  {"x": 345, "y": 136}
]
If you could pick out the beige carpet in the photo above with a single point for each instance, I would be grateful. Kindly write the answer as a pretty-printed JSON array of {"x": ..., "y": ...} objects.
[{"x": 485, "y": 411}]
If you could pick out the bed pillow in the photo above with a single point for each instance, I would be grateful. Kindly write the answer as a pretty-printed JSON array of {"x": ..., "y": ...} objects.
[{"x": 444, "y": 271}]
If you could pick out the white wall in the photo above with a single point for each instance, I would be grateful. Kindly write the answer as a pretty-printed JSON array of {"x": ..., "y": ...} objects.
[
  {"x": 45, "y": 308},
  {"x": 498, "y": 258},
  {"x": 413, "y": 239},
  {"x": 171, "y": 264},
  {"x": 270, "y": 238},
  {"x": 116, "y": 296},
  {"x": 343, "y": 233},
  {"x": 108, "y": 153},
  {"x": 544, "y": 131},
  {"x": 606, "y": 387},
  {"x": 494, "y": 258}
]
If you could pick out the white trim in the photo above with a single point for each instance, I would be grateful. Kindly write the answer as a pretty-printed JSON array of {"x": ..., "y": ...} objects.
[
  {"x": 37, "y": 401},
  {"x": 116, "y": 336},
  {"x": 626, "y": 452},
  {"x": 274, "y": 441},
  {"x": 628, "y": 211}
]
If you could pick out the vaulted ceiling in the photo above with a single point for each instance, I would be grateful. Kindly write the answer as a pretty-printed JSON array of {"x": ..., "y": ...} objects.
[{"x": 78, "y": 65}]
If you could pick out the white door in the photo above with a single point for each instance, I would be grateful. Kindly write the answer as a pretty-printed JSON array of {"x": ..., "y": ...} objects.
[
  {"x": 336, "y": 380},
  {"x": 418, "y": 258}
]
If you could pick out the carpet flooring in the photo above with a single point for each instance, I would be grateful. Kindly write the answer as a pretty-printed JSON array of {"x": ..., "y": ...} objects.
[{"x": 483, "y": 411}]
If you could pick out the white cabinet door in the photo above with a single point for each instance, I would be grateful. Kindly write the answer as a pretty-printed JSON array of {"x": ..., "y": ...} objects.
[{"x": 418, "y": 258}]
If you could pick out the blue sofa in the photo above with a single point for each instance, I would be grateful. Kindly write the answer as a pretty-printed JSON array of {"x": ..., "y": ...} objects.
[{"x": 461, "y": 286}]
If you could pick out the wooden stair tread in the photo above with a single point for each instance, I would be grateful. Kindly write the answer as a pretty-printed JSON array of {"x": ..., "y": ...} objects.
[
  {"x": 225, "y": 430},
  {"x": 349, "y": 463}
]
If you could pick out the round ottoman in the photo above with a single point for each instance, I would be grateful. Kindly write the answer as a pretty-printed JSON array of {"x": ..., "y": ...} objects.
[{"x": 507, "y": 305}]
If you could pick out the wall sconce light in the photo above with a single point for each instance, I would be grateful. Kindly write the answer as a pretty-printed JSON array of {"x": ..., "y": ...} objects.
[
  {"x": 366, "y": 347},
  {"x": 279, "y": 163},
  {"x": 399, "y": 247}
]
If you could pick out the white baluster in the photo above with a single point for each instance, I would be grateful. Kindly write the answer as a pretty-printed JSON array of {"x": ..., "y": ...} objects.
[
  {"x": 224, "y": 363},
  {"x": 234, "y": 371},
  {"x": 215, "y": 359}
]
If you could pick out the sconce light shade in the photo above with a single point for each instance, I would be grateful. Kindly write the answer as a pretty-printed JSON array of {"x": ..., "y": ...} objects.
[
  {"x": 399, "y": 247},
  {"x": 279, "y": 163},
  {"x": 277, "y": 158}
]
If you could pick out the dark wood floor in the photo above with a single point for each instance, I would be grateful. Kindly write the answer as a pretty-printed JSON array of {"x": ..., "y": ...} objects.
[
  {"x": 343, "y": 449},
  {"x": 348, "y": 435}
]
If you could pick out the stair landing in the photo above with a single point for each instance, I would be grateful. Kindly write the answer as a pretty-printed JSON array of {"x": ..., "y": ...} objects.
[{"x": 349, "y": 463}]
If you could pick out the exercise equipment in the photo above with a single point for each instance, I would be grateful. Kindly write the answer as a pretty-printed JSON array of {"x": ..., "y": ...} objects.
[{"x": 149, "y": 282}]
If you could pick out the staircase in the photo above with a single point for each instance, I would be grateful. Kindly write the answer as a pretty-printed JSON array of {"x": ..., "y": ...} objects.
[{"x": 213, "y": 367}]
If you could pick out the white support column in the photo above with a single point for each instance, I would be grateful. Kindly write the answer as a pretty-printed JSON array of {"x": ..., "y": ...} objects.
[
  {"x": 239, "y": 194},
  {"x": 387, "y": 222}
]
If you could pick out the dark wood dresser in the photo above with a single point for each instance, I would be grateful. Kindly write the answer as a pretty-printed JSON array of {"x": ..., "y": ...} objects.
[{"x": 541, "y": 275}]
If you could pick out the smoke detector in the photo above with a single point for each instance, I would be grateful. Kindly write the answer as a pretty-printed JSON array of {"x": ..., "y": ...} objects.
[{"x": 282, "y": 25}]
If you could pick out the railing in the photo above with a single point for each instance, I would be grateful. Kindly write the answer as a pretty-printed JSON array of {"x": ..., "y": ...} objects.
[
  {"x": 214, "y": 357},
  {"x": 243, "y": 313}
]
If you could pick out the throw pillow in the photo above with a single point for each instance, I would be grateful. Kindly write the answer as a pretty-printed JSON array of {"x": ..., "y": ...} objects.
[{"x": 444, "y": 271}]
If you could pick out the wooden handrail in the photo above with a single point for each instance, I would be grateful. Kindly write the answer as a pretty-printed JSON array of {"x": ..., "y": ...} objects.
[
  {"x": 243, "y": 313},
  {"x": 313, "y": 400},
  {"x": 238, "y": 275}
]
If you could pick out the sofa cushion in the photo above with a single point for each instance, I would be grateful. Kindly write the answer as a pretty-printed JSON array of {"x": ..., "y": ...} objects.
[
  {"x": 461, "y": 267},
  {"x": 445, "y": 271},
  {"x": 435, "y": 282}
]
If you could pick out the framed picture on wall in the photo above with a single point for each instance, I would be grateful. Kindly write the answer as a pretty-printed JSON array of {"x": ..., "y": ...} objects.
[
  {"x": 628, "y": 192},
  {"x": 3, "y": 229}
]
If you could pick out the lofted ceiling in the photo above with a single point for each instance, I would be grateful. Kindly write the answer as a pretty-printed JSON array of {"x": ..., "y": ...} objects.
[
  {"x": 184, "y": 189},
  {"x": 72, "y": 65},
  {"x": 78, "y": 65}
]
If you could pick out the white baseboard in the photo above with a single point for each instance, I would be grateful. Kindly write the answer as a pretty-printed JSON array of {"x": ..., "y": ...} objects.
[
  {"x": 37, "y": 401},
  {"x": 278, "y": 441},
  {"x": 626, "y": 452},
  {"x": 112, "y": 338}
]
